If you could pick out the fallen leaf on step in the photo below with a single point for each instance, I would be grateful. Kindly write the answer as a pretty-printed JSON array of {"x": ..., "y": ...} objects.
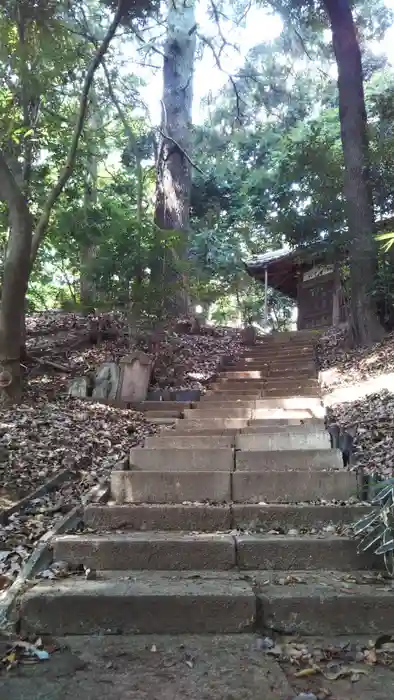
[
  {"x": 306, "y": 672},
  {"x": 370, "y": 657},
  {"x": 344, "y": 672}
]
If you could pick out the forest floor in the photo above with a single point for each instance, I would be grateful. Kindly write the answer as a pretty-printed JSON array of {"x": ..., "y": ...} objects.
[
  {"x": 358, "y": 388},
  {"x": 202, "y": 668},
  {"x": 50, "y": 432}
]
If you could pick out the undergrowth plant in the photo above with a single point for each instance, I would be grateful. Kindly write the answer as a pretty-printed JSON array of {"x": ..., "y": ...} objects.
[{"x": 376, "y": 530}]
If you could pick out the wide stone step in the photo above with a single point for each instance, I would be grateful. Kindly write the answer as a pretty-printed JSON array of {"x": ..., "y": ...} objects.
[
  {"x": 295, "y": 402},
  {"x": 262, "y": 414},
  {"x": 182, "y": 459},
  {"x": 299, "y": 438},
  {"x": 183, "y": 429},
  {"x": 174, "y": 551},
  {"x": 288, "y": 459},
  {"x": 225, "y": 396},
  {"x": 210, "y": 518},
  {"x": 274, "y": 393},
  {"x": 325, "y": 604},
  {"x": 276, "y": 365},
  {"x": 290, "y": 385},
  {"x": 280, "y": 355},
  {"x": 164, "y": 413},
  {"x": 163, "y": 421},
  {"x": 283, "y": 552},
  {"x": 163, "y": 516},
  {"x": 141, "y": 603},
  {"x": 170, "y": 487},
  {"x": 292, "y": 486},
  {"x": 191, "y": 441},
  {"x": 284, "y": 517},
  {"x": 162, "y": 405},
  {"x": 263, "y": 427},
  {"x": 244, "y": 374},
  {"x": 308, "y": 369},
  {"x": 217, "y": 424},
  {"x": 208, "y": 412},
  {"x": 156, "y": 551}
]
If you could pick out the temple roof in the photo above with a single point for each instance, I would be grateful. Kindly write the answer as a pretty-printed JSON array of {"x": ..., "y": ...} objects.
[{"x": 284, "y": 266}]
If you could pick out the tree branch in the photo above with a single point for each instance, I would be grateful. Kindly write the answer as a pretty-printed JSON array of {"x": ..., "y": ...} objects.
[
  {"x": 216, "y": 56},
  {"x": 67, "y": 170}
]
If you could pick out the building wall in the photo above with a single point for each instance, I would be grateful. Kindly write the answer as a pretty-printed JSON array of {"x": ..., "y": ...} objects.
[{"x": 316, "y": 289}]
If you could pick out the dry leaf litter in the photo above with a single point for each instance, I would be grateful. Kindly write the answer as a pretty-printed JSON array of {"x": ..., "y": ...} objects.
[
  {"x": 313, "y": 667},
  {"x": 50, "y": 432},
  {"x": 373, "y": 415}
]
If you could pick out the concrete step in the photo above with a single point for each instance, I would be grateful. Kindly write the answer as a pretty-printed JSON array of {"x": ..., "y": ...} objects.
[
  {"x": 183, "y": 429},
  {"x": 149, "y": 415},
  {"x": 280, "y": 354},
  {"x": 263, "y": 427},
  {"x": 309, "y": 552},
  {"x": 210, "y": 518},
  {"x": 177, "y": 459},
  {"x": 284, "y": 517},
  {"x": 291, "y": 459},
  {"x": 289, "y": 385},
  {"x": 301, "y": 437},
  {"x": 314, "y": 392},
  {"x": 162, "y": 405},
  {"x": 218, "y": 411},
  {"x": 296, "y": 402},
  {"x": 292, "y": 486},
  {"x": 156, "y": 551},
  {"x": 226, "y": 396},
  {"x": 325, "y": 604},
  {"x": 174, "y": 551},
  {"x": 262, "y": 414},
  {"x": 164, "y": 516},
  {"x": 276, "y": 362},
  {"x": 216, "y": 424},
  {"x": 162, "y": 421},
  {"x": 192, "y": 441},
  {"x": 143, "y": 603},
  {"x": 303, "y": 368},
  {"x": 171, "y": 487},
  {"x": 244, "y": 374}
]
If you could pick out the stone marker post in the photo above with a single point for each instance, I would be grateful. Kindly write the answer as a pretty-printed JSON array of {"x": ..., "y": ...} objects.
[{"x": 135, "y": 374}]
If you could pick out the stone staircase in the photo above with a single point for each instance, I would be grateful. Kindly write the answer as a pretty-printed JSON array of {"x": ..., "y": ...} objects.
[{"x": 233, "y": 520}]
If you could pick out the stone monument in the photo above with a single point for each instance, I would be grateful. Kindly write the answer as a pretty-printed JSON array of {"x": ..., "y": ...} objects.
[{"x": 135, "y": 374}]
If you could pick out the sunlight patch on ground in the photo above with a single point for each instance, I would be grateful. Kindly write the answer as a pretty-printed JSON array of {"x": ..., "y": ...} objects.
[{"x": 356, "y": 391}]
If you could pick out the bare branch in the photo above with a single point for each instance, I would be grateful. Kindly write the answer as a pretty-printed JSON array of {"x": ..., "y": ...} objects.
[
  {"x": 67, "y": 170},
  {"x": 238, "y": 98},
  {"x": 169, "y": 138}
]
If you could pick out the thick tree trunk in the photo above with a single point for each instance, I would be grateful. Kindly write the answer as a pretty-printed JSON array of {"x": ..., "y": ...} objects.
[
  {"x": 365, "y": 327},
  {"x": 173, "y": 184},
  {"x": 88, "y": 253},
  {"x": 14, "y": 288}
]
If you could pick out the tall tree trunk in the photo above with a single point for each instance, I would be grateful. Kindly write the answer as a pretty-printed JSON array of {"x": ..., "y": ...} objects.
[
  {"x": 364, "y": 325},
  {"x": 14, "y": 287},
  {"x": 173, "y": 184},
  {"x": 88, "y": 253}
]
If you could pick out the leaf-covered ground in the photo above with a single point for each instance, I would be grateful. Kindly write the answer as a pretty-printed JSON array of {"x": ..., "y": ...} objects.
[
  {"x": 50, "y": 432},
  {"x": 359, "y": 385}
]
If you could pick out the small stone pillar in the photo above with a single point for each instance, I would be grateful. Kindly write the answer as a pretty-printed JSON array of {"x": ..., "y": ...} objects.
[
  {"x": 135, "y": 374},
  {"x": 249, "y": 335}
]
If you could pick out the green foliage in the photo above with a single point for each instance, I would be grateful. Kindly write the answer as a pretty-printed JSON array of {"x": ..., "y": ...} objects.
[
  {"x": 376, "y": 530},
  {"x": 388, "y": 238}
]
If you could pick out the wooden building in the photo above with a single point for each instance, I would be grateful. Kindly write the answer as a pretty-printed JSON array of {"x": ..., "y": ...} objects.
[{"x": 309, "y": 278}]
